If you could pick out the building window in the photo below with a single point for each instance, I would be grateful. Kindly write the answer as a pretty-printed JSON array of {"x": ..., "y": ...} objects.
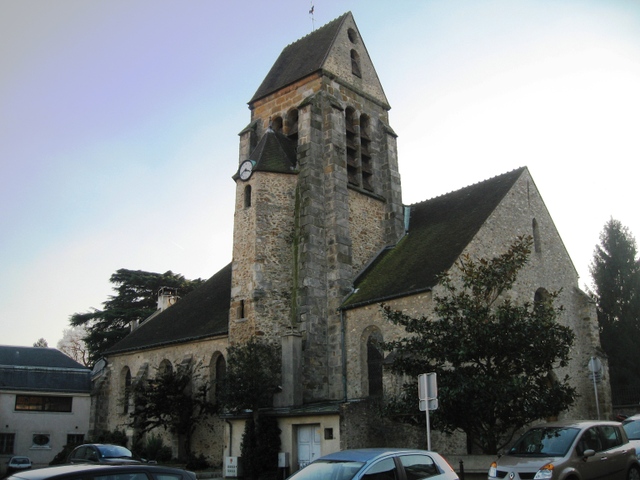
[
  {"x": 247, "y": 196},
  {"x": 37, "y": 403},
  {"x": 292, "y": 125},
  {"x": 41, "y": 440},
  {"x": 276, "y": 124},
  {"x": 126, "y": 390},
  {"x": 7, "y": 441},
  {"x": 355, "y": 64},
  {"x": 359, "y": 156},
  {"x": 536, "y": 236},
  {"x": 75, "y": 439},
  {"x": 374, "y": 366}
]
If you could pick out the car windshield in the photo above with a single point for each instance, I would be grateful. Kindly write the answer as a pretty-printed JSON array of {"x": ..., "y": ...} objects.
[
  {"x": 328, "y": 470},
  {"x": 632, "y": 429},
  {"x": 545, "y": 442},
  {"x": 114, "y": 451}
]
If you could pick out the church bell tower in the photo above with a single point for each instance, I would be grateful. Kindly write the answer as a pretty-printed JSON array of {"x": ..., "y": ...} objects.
[{"x": 317, "y": 197}]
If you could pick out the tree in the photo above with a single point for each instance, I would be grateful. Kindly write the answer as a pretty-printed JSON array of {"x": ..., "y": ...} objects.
[
  {"x": 493, "y": 358},
  {"x": 251, "y": 381},
  {"x": 176, "y": 399},
  {"x": 136, "y": 299},
  {"x": 42, "y": 343},
  {"x": 616, "y": 282},
  {"x": 72, "y": 344},
  {"x": 252, "y": 377}
]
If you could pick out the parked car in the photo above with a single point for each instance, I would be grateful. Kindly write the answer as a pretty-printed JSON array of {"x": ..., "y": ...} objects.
[
  {"x": 17, "y": 463},
  {"x": 102, "y": 453},
  {"x": 378, "y": 464},
  {"x": 631, "y": 427},
  {"x": 104, "y": 472},
  {"x": 581, "y": 450}
]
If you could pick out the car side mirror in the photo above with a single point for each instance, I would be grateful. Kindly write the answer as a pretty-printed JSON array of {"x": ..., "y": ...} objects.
[{"x": 590, "y": 452}]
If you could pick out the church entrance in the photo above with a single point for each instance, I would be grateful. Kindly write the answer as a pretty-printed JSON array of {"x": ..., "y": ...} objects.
[{"x": 308, "y": 444}]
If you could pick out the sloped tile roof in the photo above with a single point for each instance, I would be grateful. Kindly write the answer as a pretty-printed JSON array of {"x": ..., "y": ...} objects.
[
  {"x": 300, "y": 58},
  {"x": 275, "y": 153},
  {"x": 202, "y": 313},
  {"x": 439, "y": 231},
  {"x": 37, "y": 369}
]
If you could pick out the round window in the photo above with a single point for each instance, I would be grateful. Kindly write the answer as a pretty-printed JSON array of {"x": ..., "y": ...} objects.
[{"x": 41, "y": 440}]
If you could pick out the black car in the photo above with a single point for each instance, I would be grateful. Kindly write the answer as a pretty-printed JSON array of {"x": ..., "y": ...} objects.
[
  {"x": 105, "y": 472},
  {"x": 102, "y": 453}
]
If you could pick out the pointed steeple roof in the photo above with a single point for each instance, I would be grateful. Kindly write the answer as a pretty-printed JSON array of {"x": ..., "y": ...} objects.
[{"x": 329, "y": 50}]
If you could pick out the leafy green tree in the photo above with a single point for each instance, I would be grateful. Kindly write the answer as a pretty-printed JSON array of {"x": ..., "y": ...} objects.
[
  {"x": 260, "y": 446},
  {"x": 615, "y": 271},
  {"x": 251, "y": 381},
  {"x": 493, "y": 358},
  {"x": 176, "y": 399},
  {"x": 136, "y": 299},
  {"x": 252, "y": 377}
]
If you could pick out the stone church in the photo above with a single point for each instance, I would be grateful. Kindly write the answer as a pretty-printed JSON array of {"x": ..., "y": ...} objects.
[{"x": 321, "y": 238}]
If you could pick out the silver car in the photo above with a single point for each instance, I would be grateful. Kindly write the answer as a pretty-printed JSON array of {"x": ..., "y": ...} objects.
[
  {"x": 579, "y": 450},
  {"x": 378, "y": 464}
]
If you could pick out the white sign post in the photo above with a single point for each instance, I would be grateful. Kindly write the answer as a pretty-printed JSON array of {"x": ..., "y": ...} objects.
[
  {"x": 428, "y": 396},
  {"x": 595, "y": 367}
]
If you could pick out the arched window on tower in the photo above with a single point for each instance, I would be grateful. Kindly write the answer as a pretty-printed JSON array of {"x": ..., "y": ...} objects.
[
  {"x": 536, "y": 236},
  {"x": 355, "y": 64},
  {"x": 359, "y": 154},
  {"x": 276, "y": 124},
  {"x": 365, "y": 153},
  {"x": 291, "y": 125},
  {"x": 247, "y": 196},
  {"x": 353, "y": 162}
]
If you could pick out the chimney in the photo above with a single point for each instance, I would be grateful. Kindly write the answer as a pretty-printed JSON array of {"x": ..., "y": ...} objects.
[{"x": 167, "y": 296}]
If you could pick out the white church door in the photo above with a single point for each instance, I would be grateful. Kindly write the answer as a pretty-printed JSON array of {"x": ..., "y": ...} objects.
[{"x": 308, "y": 444}]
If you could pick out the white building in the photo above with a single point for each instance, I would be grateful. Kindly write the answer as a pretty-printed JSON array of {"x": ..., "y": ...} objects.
[{"x": 44, "y": 403}]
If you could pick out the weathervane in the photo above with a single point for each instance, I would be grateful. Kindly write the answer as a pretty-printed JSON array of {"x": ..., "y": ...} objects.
[{"x": 313, "y": 21}]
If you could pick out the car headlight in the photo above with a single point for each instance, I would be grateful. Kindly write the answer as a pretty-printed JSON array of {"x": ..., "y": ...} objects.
[
  {"x": 493, "y": 469},
  {"x": 545, "y": 473}
]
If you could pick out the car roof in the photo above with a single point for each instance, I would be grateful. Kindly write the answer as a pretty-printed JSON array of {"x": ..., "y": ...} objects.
[
  {"x": 72, "y": 469},
  {"x": 576, "y": 423},
  {"x": 368, "y": 454}
]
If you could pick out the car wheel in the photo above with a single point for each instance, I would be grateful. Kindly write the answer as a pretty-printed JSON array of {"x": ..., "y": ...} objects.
[{"x": 634, "y": 474}]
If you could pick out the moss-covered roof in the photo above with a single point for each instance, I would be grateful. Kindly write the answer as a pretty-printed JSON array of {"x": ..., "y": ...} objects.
[
  {"x": 274, "y": 153},
  {"x": 439, "y": 231},
  {"x": 202, "y": 313},
  {"x": 300, "y": 59}
]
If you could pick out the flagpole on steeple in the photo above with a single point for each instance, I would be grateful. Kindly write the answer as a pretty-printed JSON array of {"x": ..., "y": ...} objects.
[{"x": 313, "y": 20}]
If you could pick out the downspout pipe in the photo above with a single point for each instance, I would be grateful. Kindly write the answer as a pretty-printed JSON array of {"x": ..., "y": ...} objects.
[{"x": 344, "y": 354}]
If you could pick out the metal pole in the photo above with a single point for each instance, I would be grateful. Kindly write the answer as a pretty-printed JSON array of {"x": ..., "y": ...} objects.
[
  {"x": 428, "y": 427},
  {"x": 595, "y": 389}
]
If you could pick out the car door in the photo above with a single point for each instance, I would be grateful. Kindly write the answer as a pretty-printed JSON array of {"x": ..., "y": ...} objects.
[
  {"x": 595, "y": 466},
  {"x": 614, "y": 452},
  {"x": 384, "y": 469},
  {"x": 418, "y": 466}
]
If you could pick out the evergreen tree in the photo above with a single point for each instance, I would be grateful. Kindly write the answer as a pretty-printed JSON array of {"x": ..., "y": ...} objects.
[
  {"x": 136, "y": 299},
  {"x": 616, "y": 282},
  {"x": 493, "y": 358},
  {"x": 176, "y": 399}
]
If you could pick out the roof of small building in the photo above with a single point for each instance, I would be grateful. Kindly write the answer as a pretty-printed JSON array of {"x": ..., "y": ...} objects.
[
  {"x": 274, "y": 153},
  {"x": 439, "y": 231},
  {"x": 41, "y": 369},
  {"x": 202, "y": 313},
  {"x": 300, "y": 58}
]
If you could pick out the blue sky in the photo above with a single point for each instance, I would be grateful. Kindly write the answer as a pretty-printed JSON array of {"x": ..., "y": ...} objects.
[{"x": 119, "y": 123}]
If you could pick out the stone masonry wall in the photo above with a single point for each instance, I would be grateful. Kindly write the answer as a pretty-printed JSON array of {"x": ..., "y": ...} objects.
[
  {"x": 548, "y": 268},
  {"x": 208, "y": 440}
]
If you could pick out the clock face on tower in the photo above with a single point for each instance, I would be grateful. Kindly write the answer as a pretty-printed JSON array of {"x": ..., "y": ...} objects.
[{"x": 245, "y": 170}]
